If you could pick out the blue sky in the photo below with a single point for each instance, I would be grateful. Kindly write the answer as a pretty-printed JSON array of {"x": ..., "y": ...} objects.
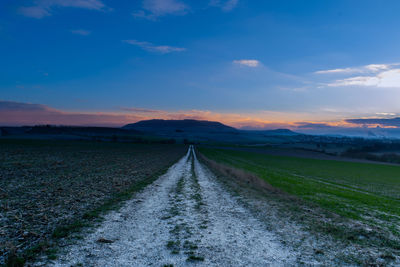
[{"x": 242, "y": 62}]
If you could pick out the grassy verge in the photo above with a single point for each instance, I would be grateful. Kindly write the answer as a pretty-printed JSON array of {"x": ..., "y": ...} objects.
[
  {"x": 365, "y": 196},
  {"x": 346, "y": 188}
]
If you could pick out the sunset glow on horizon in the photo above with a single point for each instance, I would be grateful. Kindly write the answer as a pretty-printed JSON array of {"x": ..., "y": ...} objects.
[{"x": 22, "y": 114}]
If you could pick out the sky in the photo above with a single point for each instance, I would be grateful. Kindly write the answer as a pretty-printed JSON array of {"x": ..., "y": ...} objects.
[{"x": 254, "y": 64}]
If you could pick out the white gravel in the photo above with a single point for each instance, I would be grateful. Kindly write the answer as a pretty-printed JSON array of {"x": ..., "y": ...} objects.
[{"x": 181, "y": 219}]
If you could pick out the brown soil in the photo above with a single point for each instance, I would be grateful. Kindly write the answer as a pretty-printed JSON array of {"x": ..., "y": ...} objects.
[{"x": 47, "y": 185}]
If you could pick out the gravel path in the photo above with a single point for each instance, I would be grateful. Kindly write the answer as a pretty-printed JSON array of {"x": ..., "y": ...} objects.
[{"x": 184, "y": 218}]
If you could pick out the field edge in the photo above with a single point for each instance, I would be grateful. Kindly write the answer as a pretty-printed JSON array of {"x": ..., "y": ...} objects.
[{"x": 348, "y": 235}]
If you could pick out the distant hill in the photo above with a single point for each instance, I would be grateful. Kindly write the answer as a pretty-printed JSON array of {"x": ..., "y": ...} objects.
[
  {"x": 179, "y": 126},
  {"x": 209, "y": 131},
  {"x": 285, "y": 132}
]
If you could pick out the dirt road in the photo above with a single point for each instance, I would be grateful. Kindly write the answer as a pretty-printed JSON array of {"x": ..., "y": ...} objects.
[{"x": 184, "y": 218}]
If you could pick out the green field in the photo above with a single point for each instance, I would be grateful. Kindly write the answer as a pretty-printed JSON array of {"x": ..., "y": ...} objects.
[{"x": 365, "y": 192}]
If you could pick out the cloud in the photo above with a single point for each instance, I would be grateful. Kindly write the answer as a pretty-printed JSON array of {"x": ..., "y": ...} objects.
[
  {"x": 44, "y": 8},
  {"x": 371, "y": 68},
  {"x": 81, "y": 32},
  {"x": 163, "y": 49},
  {"x": 229, "y": 5},
  {"x": 17, "y": 106},
  {"x": 379, "y": 67},
  {"x": 386, "y": 114},
  {"x": 248, "y": 62},
  {"x": 311, "y": 125},
  {"x": 36, "y": 12},
  {"x": 152, "y": 9},
  {"x": 384, "y": 79},
  {"x": 141, "y": 110},
  {"x": 226, "y": 6},
  {"x": 346, "y": 70},
  {"x": 372, "y": 75},
  {"x": 16, "y": 113},
  {"x": 393, "y": 122}
]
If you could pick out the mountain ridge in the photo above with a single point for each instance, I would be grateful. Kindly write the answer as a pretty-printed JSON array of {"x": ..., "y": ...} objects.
[{"x": 180, "y": 125}]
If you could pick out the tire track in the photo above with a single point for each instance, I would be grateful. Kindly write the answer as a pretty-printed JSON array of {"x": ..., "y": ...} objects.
[{"x": 184, "y": 218}]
